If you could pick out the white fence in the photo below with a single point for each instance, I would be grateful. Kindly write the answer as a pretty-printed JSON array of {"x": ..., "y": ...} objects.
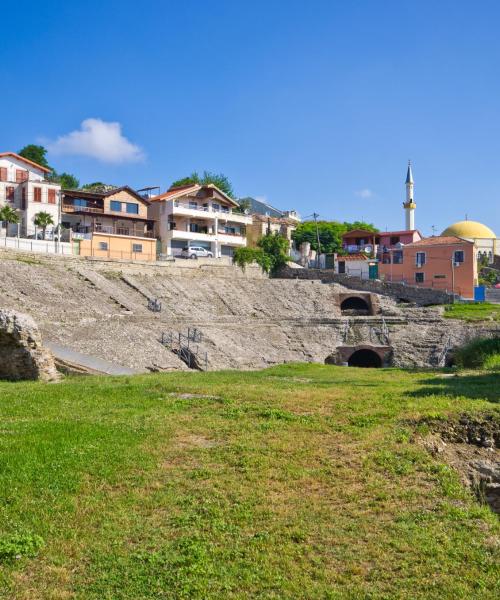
[{"x": 45, "y": 246}]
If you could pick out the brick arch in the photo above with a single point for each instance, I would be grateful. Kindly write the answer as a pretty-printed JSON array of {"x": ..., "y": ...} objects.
[{"x": 349, "y": 355}]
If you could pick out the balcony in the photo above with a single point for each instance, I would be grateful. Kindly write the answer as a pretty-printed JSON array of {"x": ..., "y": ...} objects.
[
  {"x": 76, "y": 208},
  {"x": 193, "y": 209},
  {"x": 110, "y": 230}
]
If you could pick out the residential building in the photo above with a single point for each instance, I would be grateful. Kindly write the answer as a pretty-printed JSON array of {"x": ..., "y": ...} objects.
[
  {"x": 262, "y": 225},
  {"x": 442, "y": 262},
  {"x": 24, "y": 186},
  {"x": 259, "y": 207},
  {"x": 198, "y": 215},
  {"x": 357, "y": 265},
  {"x": 379, "y": 245},
  {"x": 111, "y": 224}
]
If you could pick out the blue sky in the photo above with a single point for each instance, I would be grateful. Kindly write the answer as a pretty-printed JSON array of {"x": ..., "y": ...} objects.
[{"x": 312, "y": 105}]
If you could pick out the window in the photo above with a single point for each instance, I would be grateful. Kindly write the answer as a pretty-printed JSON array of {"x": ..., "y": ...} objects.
[
  {"x": 397, "y": 257},
  {"x": 9, "y": 193},
  {"x": 420, "y": 259},
  {"x": 132, "y": 209},
  {"x": 137, "y": 248},
  {"x": 215, "y": 206},
  {"x": 419, "y": 278},
  {"x": 3, "y": 173},
  {"x": 52, "y": 196},
  {"x": 341, "y": 266},
  {"x": 21, "y": 175},
  {"x": 103, "y": 245},
  {"x": 115, "y": 206},
  {"x": 23, "y": 199},
  {"x": 172, "y": 225},
  {"x": 439, "y": 276},
  {"x": 394, "y": 240},
  {"x": 458, "y": 256},
  {"x": 193, "y": 204},
  {"x": 37, "y": 194}
]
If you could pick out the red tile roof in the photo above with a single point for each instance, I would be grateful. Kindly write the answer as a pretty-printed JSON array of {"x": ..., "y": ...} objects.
[
  {"x": 354, "y": 257},
  {"x": 26, "y": 160},
  {"x": 438, "y": 240}
]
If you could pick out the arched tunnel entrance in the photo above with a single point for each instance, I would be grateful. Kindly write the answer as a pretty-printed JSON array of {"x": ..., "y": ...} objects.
[
  {"x": 354, "y": 305},
  {"x": 365, "y": 358}
]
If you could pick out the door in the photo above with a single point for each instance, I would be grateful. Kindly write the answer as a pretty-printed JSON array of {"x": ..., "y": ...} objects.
[{"x": 373, "y": 271}]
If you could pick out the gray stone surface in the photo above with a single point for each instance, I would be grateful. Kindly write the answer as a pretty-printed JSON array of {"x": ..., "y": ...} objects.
[
  {"x": 22, "y": 355},
  {"x": 247, "y": 322}
]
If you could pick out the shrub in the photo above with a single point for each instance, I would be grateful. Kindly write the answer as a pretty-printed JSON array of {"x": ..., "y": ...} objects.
[
  {"x": 479, "y": 354},
  {"x": 18, "y": 545},
  {"x": 247, "y": 256}
]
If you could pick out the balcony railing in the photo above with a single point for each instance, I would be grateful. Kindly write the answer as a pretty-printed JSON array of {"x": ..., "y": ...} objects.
[
  {"x": 76, "y": 208},
  {"x": 205, "y": 209},
  {"x": 109, "y": 229}
]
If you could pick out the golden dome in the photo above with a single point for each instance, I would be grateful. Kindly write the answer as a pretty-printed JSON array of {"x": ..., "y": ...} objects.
[{"x": 470, "y": 230}]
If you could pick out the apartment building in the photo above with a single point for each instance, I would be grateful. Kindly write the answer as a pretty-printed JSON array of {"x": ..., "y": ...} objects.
[
  {"x": 24, "y": 187},
  {"x": 441, "y": 262},
  {"x": 198, "y": 215},
  {"x": 112, "y": 224}
]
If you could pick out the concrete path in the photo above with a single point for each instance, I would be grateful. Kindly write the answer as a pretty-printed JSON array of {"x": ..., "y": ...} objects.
[{"x": 87, "y": 362}]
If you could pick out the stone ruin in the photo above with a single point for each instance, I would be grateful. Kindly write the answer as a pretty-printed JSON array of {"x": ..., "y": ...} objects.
[{"x": 22, "y": 355}]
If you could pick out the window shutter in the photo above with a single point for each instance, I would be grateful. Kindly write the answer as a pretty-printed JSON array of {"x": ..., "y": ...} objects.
[
  {"x": 3, "y": 173},
  {"x": 10, "y": 193},
  {"x": 52, "y": 196},
  {"x": 37, "y": 192}
]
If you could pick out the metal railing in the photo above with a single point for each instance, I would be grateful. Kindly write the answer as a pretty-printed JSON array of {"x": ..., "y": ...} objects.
[
  {"x": 193, "y": 206},
  {"x": 183, "y": 345},
  {"x": 65, "y": 207}
]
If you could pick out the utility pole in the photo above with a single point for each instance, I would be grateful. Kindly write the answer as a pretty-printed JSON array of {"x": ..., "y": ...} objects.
[{"x": 453, "y": 279}]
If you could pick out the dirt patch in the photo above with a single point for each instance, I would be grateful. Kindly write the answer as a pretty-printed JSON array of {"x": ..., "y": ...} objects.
[{"x": 470, "y": 445}]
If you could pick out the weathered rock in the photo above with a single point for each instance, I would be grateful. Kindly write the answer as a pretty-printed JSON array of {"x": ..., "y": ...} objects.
[{"x": 22, "y": 355}]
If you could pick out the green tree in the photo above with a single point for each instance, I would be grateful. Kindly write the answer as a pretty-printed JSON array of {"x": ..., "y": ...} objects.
[
  {"x": 43, "y": 220},
  {"x": 330, "y": 233},
  {"x": 243, "y": 205},
  {"x": 275, "y": 246},
  {"x": 217, "y": 179},
  {"x": 36, "y": 154},
  {"x": 246, "y": 256},
  {"x": 8, "y": 215},
  {"x": 66, "y": 181},
  {"x": 271, "y": 255},
  {"x": 98, "y": 186}
]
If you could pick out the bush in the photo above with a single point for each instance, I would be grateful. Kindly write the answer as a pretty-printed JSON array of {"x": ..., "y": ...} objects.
[
  {"x": 247, "y": 256},
  {"x": 18, "y": 545},
  {"x": 480, "y": 354}
]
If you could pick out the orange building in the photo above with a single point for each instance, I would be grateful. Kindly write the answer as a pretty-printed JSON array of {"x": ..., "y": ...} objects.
[{"x": 441, "y": 262}]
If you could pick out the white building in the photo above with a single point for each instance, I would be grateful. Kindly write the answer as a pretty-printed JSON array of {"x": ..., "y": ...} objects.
[
  {"x": 357, "y": 265},
  {"x": 23, "y": 187},
  {"x": 198, "y": 215}
]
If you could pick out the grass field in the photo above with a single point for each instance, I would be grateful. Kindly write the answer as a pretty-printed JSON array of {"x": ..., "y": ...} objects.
[
  {"x": 482, "y": 311},
  {"x": 301, "y": 481}
]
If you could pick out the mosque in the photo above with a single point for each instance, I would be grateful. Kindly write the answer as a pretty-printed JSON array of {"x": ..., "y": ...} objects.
[{"x": 483, "y": 237}]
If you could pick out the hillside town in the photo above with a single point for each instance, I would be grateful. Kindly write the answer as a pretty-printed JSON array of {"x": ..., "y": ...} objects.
[{"x": 200, "y": 221}]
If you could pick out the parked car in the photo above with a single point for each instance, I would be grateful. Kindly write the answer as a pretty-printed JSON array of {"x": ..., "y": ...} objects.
[{"x": 195, "y": 252}]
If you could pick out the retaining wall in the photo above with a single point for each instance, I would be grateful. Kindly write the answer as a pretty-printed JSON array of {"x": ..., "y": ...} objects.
[{"x": 420, "y": 295}]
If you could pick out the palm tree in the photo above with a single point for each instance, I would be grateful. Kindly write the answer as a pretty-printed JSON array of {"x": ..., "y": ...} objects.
[
  {"x": 8, "y": 215},
  {"x": 43, "y": 220}
]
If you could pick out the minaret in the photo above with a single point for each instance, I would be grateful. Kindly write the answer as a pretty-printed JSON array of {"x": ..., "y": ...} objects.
[{"x": 409, "y": 205}]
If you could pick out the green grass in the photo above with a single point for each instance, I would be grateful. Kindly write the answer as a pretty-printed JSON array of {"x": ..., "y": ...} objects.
[
  {"x": 300, "y": 481},
  {"x": 482, "y": 311},
  {"x": 481, "y": 353}
]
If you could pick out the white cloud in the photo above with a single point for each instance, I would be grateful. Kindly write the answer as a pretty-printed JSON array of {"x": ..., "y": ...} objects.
[
  {"x": 98, "y": 139},
  {"x": 364, "y": 193}
]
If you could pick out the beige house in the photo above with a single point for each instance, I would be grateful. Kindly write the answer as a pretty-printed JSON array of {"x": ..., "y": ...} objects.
[
  {"x": 198, "y": 215},
  {"x": 111, "y": 224},
  {"x": 262, "y": 225}
]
